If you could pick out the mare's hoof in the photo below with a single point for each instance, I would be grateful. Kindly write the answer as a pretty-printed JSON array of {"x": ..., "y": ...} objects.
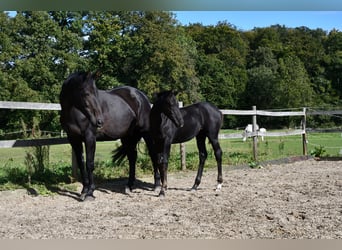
[
  {"x": 87, "y": 197},
  {"x": 83, "y": 196}
]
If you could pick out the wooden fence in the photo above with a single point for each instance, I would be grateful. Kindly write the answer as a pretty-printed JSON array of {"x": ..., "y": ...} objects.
[
  {"x": 254, "y": 134},
  {"x": 31, "y": 142},
  {"x": 253, "y": 112}
]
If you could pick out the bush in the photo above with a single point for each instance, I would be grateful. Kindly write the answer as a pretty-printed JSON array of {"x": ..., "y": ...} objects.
[
  {"x": 319, "y": 151},
  {"x": 37, "y": 162}
]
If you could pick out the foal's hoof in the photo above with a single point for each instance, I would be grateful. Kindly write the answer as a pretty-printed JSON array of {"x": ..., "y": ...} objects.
[
  {"x": 194, "y": 188},
  {"x": 219, "y": 187},
  {"x": 128, "y": 190},
  {"x": 161, "y": 194},
  {"x": 157, "y": 188}
]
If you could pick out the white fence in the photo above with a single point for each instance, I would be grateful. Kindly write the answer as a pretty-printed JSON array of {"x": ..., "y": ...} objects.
[
  {"x": 253, "y": 112},
  {"x": 55, "y": 106}
]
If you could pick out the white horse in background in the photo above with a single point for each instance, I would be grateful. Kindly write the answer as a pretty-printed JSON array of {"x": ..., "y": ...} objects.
[
  {"x": 249, "y": 129},
  {"x": 263, "y": 132}
]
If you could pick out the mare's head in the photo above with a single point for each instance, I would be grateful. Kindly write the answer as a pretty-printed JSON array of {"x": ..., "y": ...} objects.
[
  {"x": 84, "y": 94},
  {"x": 167, "y": 103}
]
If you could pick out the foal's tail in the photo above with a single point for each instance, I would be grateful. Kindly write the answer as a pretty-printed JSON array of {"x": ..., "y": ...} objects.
[{"x": 119, "y": 155}]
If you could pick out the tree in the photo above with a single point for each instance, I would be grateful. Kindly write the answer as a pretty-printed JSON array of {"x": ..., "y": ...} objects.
[
  {"x": 166, "y": 58},
  {"x": 221, "y": 63},
  {"x": 272, "y": 67},
  {"x": 142, "y": 49},
  {"x": 269, "y": 37},
  {"x": 333, "y": 63},
  {"x": 262, "y": 79},
  {"x": 293, "y": 88},
  {"x": 69, "y": 52},
  {"x": 39, "y": 55},
  {"x": 43, "y": 59}
]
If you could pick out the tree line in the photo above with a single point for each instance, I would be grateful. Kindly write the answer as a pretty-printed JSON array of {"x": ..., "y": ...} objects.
[{"x": 274, "y": 67}]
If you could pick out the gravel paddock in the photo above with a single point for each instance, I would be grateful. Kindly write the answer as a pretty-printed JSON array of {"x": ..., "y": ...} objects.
[{"x": 299, "y": 200}]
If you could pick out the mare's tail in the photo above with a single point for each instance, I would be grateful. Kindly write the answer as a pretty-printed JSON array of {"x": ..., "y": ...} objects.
[{"x": 119, "y": 155}]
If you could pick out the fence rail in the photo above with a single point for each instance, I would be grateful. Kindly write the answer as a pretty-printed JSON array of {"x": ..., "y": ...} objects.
[
  {"x": 56, "y": 106},
  {"x": 254, "y": 113},
  {"x": 258, "y": 133},
  {"x": 261, "y": 112},
  {"x": 32, "y": 142},
  {"x": 30, "y": 105}
]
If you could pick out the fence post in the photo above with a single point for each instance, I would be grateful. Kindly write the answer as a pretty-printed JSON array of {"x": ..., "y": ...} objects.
[
  {"x": 305, "y": 145},
  {"x": 182, "y": 147},
  {"x": 255, "y": 137}
]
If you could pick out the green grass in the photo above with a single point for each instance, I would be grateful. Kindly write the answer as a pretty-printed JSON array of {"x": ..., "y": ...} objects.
[
  {"x": 331, "y": 142},
  {"x": 14, "y": 172}
]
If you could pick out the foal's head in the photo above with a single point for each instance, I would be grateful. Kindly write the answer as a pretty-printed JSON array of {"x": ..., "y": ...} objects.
[{"x": 167, "y": 103}]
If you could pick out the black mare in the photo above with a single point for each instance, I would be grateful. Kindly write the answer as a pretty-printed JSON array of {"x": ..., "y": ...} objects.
[
  {"x": 170, "y": 124},
  {"x": 89, "y": 114}
]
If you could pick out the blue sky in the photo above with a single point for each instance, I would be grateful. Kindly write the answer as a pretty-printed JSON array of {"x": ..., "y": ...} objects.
[{"x": 247, "y": 20}]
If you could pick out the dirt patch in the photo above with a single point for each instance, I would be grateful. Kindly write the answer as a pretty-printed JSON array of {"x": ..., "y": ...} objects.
[{"x": 297, "y": 200}]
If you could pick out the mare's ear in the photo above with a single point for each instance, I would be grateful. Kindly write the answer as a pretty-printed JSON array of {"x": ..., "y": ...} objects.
[
  {"x": 175, "y": 92},
  {"x": 158, "y": 95},
  {"x": 155, "y": 96},
  {"x": 97, "y": 75},
  {"x": 87, "y": 75}
]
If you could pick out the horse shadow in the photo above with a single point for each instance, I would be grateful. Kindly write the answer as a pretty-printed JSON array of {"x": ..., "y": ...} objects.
[{"x": 116, "y": 185}]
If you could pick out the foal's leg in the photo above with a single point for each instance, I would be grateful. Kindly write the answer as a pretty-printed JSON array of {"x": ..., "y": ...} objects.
[
  {"x": 130, "y": 143},
  {"x": 163, "y": 159},
  {"x": 153, "y": 155},
  {"x": 202, "y": 153},
  {"x": 218, "y": 156}
]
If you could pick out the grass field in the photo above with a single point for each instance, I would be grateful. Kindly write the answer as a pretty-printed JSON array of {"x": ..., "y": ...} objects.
[{"x": 235, "y": 152}]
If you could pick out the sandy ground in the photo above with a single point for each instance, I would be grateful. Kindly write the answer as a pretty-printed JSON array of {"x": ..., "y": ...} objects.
[{"x": 297, "y": 200}]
